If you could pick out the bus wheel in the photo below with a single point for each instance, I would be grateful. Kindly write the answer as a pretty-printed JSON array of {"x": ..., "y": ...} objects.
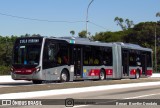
[
  {"x": 137, "y": 75},
  {"x": 64, "y": 76},
  {"x": 102, "y": 75},
  {"x": 37, "y": 81}
]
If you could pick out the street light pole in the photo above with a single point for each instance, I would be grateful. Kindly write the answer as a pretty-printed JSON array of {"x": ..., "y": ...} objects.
[
  {"x": 156, "y": 47},
  {"x": 157, "y": 23},
  {"x": 87, "y": 17}
]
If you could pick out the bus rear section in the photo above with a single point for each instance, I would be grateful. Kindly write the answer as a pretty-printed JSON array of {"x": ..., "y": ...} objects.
[{"x": 136, "y": 61}]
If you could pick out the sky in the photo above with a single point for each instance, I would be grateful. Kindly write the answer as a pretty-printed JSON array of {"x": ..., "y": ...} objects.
[{"x": 48, "y": 12}]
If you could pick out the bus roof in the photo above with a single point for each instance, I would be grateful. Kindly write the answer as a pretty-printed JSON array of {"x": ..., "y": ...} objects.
[
  {"x": 133, "y": 46},
  {"x": 82, "y": 41},
  {"x": 86, "y": 41}
]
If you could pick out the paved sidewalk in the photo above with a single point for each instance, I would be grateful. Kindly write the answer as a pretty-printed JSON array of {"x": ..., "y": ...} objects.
[{"x": 7, "y": 79}]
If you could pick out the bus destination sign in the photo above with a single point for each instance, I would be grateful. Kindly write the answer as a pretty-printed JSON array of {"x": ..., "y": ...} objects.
[{"x": 29, "y": 41}]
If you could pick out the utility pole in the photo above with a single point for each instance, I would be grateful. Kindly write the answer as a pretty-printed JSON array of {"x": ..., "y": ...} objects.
[
  {"x": 156, "y": 47},
  {"x": 157, "y": 15},
  {"x": 87, "y": 17}
]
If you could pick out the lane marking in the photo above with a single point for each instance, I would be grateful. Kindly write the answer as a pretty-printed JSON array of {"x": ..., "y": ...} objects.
[
  {"x": 5, "y": 86},
  {"x": 142, "y": 96},
  {"x": 34, "y": 94},
  {"x": 78, "y": 106},
  {"x": 28, "y": 83}
]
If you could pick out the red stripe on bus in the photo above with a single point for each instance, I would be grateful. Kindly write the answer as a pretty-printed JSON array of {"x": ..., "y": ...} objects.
[
  {"x": 109, "y": 71},
  {"x": 94, "y": 72},
  {"x": 24, "y": 71},
  {"x": 149, "y": 72},
  {"x": 133, "y": 72},
  {"x": 140, "y": 72}
]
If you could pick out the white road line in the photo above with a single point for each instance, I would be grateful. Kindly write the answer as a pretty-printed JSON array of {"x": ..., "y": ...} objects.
[
  {"x": 142, "y": 96},
  {"x": 73, "y": 90},
  {"x": 31, "y": 84},
  {"x": 5, "y": 86},
  {"x": 78, "y": 106},
  {"x": 136, "y": 97}
]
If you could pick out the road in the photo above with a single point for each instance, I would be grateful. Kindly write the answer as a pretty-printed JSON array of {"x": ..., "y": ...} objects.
[
  {"x": 151, "y": 92},
  {"x": 148, "y": 92},
  {"x": 15, "y": 87}
]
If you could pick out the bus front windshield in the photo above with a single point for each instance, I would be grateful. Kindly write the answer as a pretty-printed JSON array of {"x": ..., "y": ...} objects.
[{"x": 27, "y": 54}]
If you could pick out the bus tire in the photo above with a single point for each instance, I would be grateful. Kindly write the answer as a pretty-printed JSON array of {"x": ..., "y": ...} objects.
[
  {"x": 37, "y": 81},
  {"x": 102, "y": 75},
  {"x": 137, "y": 75},
  {"x": 64, "y": 76}
]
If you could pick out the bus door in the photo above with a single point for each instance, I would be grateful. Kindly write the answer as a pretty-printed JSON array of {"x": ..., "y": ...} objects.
[
  {"x": 125, "y": 62},
  {"x": 144, "y": 64},
  {"x": 78, "y": 62}
]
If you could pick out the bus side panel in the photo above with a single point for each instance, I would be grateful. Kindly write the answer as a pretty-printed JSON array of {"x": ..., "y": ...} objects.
[
  {"x": 53, "y": 74},
  {"x": 92, "y": 72},
  {"x": 37, "y": 76},
  {"x": 119, "y": 71},
  {"x": 114, "y": 52},
  {"x": 149, "y": 71},
  {"x": 132, "y": 71},
  {"x": 41, "y": 61},
  {"x": 117, "y": 61}
]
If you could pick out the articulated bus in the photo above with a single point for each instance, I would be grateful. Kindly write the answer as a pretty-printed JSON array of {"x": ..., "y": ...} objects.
[{"x": 67, "y": 59}]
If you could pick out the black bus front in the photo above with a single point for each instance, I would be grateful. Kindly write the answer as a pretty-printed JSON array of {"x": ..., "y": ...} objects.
[{"x": 26, "y": 60}]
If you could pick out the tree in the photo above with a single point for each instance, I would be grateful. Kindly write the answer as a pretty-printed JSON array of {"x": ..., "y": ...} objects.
[
  {"x": 36, "y": 35},
  {"x": 129, "y": 23},
  {"x": 142, "y": 34},
  {"x": 158, "y": 14},
  {"x": 120, "y": 22},
  {"x": 82, "y": 34},
  {"x": 72, "y": 32},
  {"x": 124, "y": 25}
]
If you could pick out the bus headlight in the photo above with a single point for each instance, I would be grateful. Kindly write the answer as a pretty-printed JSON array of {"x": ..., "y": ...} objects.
[
  {"x": 12, "y": 69},
  {"x": 38, "y": 69}
]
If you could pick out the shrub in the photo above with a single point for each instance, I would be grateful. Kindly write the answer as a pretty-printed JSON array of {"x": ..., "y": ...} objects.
[{"x": 4, "y": 70}]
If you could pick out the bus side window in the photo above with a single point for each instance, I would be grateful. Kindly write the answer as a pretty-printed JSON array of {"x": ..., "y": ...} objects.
[
  {"x": 107, "y": 56},
  {"x": 85, "y": 62},
  {"x": 49, "y": 54},
  {"x": 59, "y": 60},
  {"x": 96, "y": 61},
  {"x": 90, "y": 60},
  {"x": 62, "y": 56},
  {"x": 65, "y": 59}
]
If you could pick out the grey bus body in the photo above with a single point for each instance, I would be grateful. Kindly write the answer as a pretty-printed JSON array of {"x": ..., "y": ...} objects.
[{"x": 69, "y": 59}]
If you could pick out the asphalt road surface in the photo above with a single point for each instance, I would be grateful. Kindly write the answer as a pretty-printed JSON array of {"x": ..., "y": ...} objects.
[
  {"x": 119, "y": 98},
  {"x": 16, "y": 87}
]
